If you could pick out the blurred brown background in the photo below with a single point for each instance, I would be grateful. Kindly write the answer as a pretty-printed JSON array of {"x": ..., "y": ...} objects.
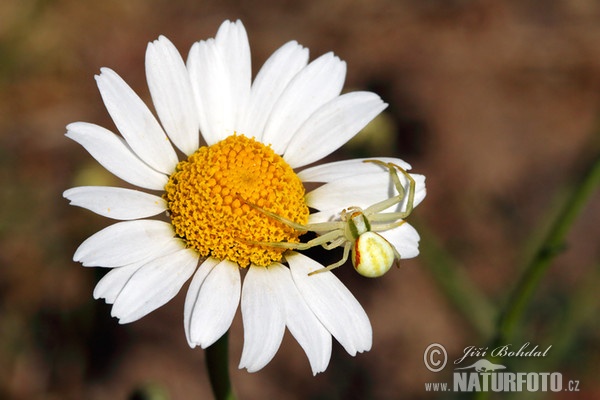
[{"x": 496, "y": 102}]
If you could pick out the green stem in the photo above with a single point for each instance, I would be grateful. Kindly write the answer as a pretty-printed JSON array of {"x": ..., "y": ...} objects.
[
  {"x": 550, "y": 247},
  {"x": 217, "y": 363},
  {"x": 582, "y": 307}
]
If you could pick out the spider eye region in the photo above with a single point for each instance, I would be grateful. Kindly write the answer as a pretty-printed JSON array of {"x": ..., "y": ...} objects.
[{"x": 372, "y": 255}]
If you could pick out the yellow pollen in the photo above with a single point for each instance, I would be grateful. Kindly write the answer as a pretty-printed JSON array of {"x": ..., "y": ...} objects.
[{"x": 207, "y": 197}]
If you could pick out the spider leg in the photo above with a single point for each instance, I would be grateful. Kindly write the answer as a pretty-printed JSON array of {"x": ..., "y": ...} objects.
[
  {"x": 325, "y": 226},
  {"x": 347, "y": 248},
  {"x": 314, "y": 227},
  {"x": 397, "y": 257},
  {"x": 323, "y": 240},
  {"x": 335, "y": 243},
  {"x": 374, "y": 212},
  {"x": 288, "y": 222},
  {"x": 386, "y": 227}
]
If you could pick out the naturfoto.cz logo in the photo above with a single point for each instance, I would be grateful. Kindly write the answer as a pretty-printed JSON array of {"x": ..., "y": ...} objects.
[{"x": 485, "y": 376}]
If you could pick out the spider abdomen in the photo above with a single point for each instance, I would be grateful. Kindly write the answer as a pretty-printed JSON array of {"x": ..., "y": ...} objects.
[{"x": 372, "y": 255}]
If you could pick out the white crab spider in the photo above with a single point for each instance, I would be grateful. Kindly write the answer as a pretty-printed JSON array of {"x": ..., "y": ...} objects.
[{"x": 372, "y": 254}]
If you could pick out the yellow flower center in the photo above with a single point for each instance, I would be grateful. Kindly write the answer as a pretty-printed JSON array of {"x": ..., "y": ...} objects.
[{"x": 208, "y": 196}]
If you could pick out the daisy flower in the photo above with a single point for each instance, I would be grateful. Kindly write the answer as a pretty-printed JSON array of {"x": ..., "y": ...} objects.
[{"x": 219, "y": 140}]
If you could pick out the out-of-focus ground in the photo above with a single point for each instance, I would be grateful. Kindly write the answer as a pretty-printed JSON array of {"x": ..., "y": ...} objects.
[{"x": 496, "y": 102}]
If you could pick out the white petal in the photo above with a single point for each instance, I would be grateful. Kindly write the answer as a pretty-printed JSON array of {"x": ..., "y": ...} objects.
[
  {"x": 405, "y": 239},
  {"x": 331, "y": 126},
  {"x": 232, "y": 41},
  {"x": 126, "y": 243},
  {"x": 300, "y": 320},
  {"x": 115, "y": 202},
  {"x": 135, "y": 122},
  {"x": 268, "y": 85},
  {"x": 217, "y": 300},
  {"x": 362, "y": 190},
  {"x": 263, "y": 318},
  {"x": 345, "y": 169},
  {"x": 316, "y": 84},
  {"x": 332, "y": 303},
  {"x": 220, "y": 72},
  {"x": 171, "y": 90},
  {"x": 154, "y": 284},
  {"x": 212, "y": 91},
  {"x": 359, "y": 190},
  {"x": 420, "y": 189},
  {"x": 115, "y": 155},
  {"x": 192, "y": 295},
  {"x": 114, "y": 281}
]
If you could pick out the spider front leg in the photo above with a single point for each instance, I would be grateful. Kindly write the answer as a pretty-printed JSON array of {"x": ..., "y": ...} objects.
[
  {"x": 332, "y": 238},
  {"x": 374, "y": 212},
  {"x": 329, "y": 241},
  {"x": 316, "y": 227}
]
